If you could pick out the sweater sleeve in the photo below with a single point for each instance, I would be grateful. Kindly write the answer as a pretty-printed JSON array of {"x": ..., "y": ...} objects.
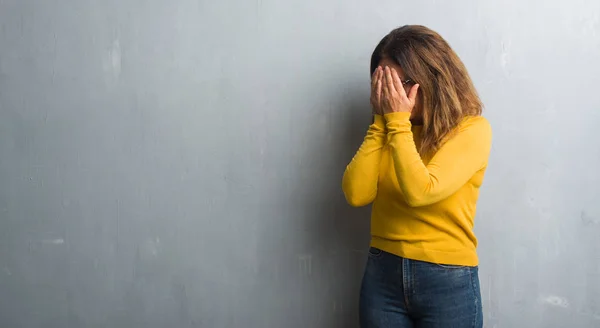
[
  {"x": 361, "y": 175},
  {"x": 450, "y": 168}
]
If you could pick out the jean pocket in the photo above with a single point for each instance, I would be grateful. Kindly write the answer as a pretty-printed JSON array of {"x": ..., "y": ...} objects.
[
  {"x": 452, "y": 267},
  {"x": 375, "y": 252}
]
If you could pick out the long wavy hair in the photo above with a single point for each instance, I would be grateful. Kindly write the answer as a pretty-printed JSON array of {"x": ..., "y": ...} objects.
[{"x": 446, "y": 93}]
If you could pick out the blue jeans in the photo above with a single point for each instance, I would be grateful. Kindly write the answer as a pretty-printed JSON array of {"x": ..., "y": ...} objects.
[{"x": 402, "y": 293}]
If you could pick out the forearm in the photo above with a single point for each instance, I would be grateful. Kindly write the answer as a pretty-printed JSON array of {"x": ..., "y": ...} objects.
[
  {"x": 361, "y": 175},
  {"x": 449, "y": 168},
  {"x": 413, "y": 176}
]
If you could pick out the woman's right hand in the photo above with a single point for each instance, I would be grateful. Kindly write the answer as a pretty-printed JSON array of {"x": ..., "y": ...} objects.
[{"x": 376, "y": 85}]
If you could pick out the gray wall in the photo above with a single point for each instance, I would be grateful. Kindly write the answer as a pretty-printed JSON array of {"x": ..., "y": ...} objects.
[{"x": 178, "y": 163}]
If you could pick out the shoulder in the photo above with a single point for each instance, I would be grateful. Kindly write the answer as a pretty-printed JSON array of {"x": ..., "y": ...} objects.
[
  {"x": 475, "y": 124},
  {"x": 472, "y": 131}
]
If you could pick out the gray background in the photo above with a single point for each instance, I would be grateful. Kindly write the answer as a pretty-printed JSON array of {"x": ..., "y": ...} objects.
[{"x": 179, "y": 163}]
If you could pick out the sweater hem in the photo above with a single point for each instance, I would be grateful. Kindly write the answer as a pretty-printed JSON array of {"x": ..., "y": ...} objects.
[{"x": 464, "y": 257}]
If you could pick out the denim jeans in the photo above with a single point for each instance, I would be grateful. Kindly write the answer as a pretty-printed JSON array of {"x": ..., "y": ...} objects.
[{"x": 401, "y": 293}]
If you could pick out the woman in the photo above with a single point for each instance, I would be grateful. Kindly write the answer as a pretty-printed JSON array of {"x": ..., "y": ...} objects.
[{"x": 421, "y": 164}]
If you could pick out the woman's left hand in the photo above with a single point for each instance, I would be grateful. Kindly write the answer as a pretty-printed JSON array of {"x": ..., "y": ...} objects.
[{"x": 394, "y": 98}]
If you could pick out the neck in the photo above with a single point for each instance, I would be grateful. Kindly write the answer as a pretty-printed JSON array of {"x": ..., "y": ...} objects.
[
  {"x": 416, "y": 117},
  {"x": 416, "y": 121}
]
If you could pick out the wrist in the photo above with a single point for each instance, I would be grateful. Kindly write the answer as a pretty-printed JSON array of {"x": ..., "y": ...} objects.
[
  {"x": 397, "y": 116},
  {"x": 398, "y": 122},
  {"x": 379, "y": 120}
]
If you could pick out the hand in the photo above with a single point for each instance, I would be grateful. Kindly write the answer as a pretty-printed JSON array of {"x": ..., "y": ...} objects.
[
  {"x": 376, "y": 85},
  {"x": 394, "y": 98}
]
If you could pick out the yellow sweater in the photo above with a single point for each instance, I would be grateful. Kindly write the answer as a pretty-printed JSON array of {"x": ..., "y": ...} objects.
[{"x": 423, "y": 207}]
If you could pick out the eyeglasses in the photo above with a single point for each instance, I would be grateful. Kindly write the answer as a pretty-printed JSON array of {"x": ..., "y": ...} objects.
[{"x": 407, "y": 81}]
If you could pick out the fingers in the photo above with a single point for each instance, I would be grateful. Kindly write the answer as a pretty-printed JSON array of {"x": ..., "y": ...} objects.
[
  {"x": 412, "y": 93},
  {"x": 374, "y": 78},
  {"x": 387, "y": 84},
  {"x": 381, "y": 98},
  {"x": 397, "y": 83},
  {"x": 378, "y": 90},
  {"x": 394, "y": 98},
  {"x": 388, "y": 79},
  {"x": 376, "y": 82}
]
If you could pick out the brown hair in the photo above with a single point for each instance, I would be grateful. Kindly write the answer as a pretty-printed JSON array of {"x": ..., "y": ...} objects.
[{"x": 446, "y": 92}]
